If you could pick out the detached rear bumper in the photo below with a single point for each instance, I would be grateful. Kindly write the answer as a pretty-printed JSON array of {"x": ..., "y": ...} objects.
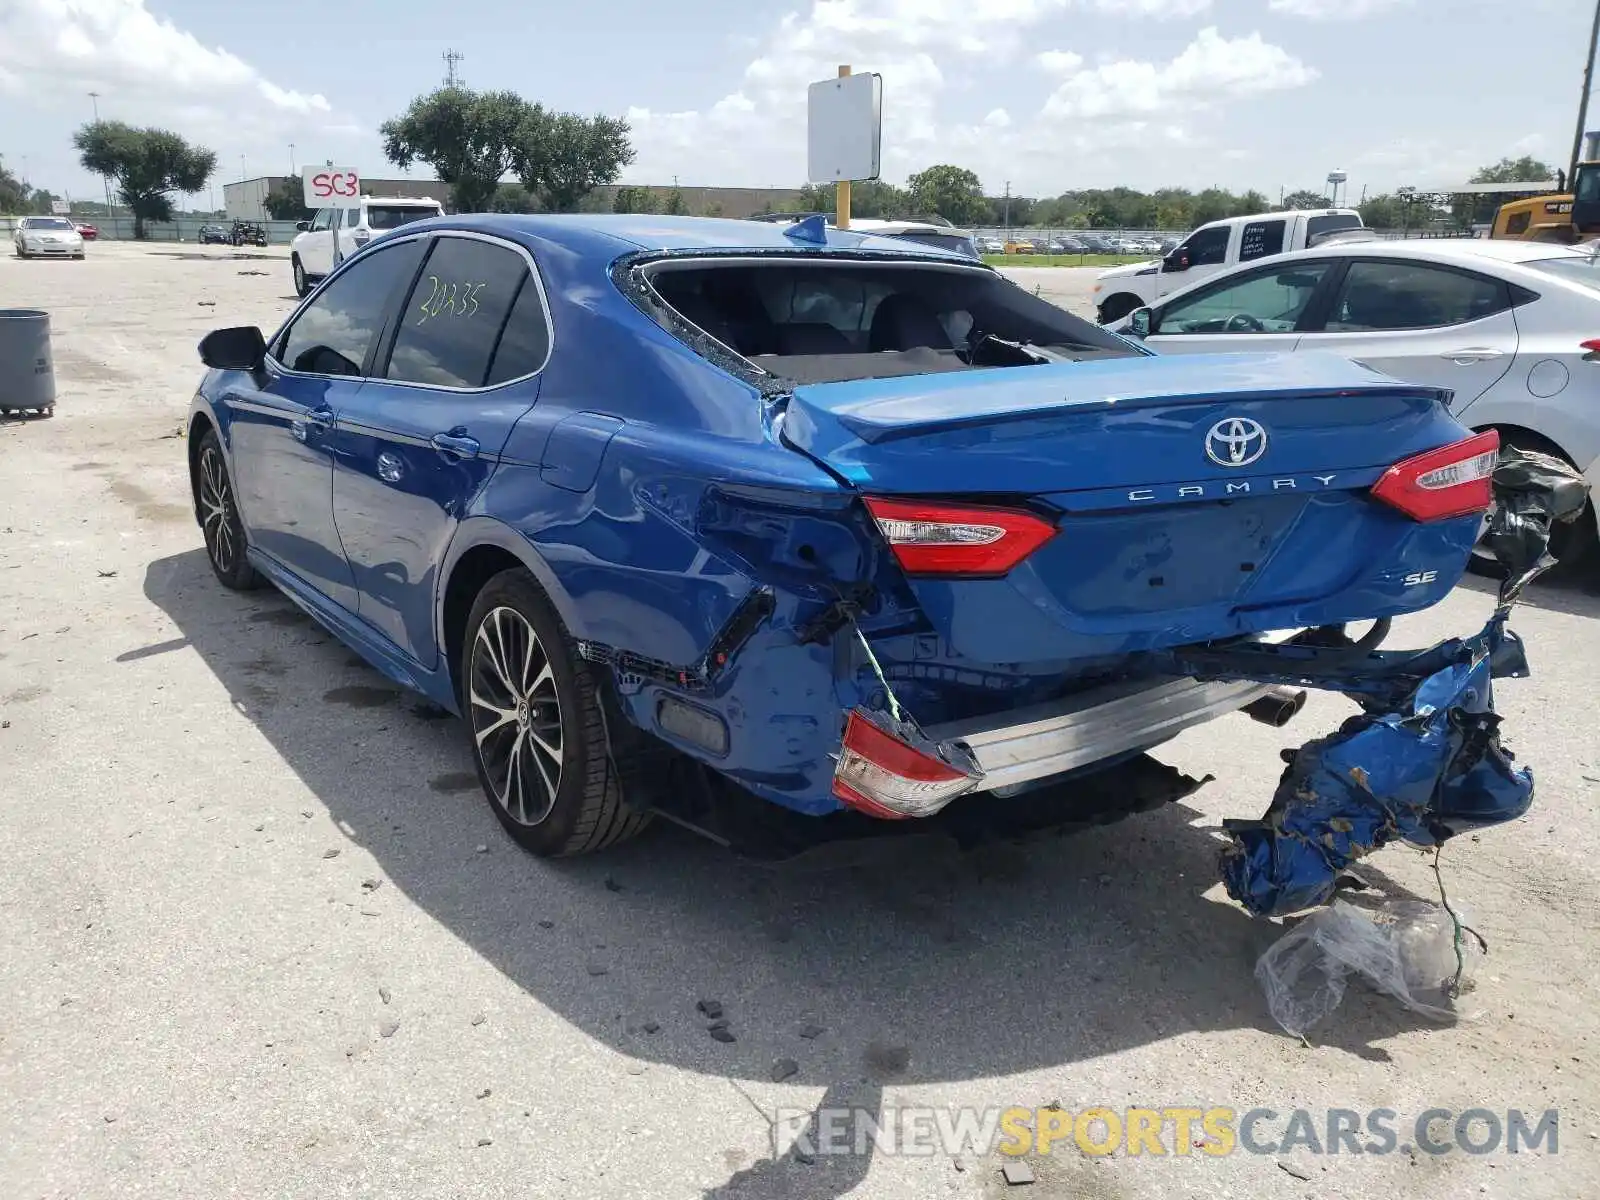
[{"x": 1048, "y": 739}]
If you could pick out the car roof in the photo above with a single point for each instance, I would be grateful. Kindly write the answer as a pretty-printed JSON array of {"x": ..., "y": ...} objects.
[
  {"x": 619, "y": 233},
  {"x": 1457, "y": 250},
  {"x": 419, "y": 201}
]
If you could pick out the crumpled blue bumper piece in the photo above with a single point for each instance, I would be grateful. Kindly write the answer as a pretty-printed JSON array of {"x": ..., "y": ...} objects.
[
  {"x": 1429, "y": 770},
  {"x": 1423, "y": 762}
]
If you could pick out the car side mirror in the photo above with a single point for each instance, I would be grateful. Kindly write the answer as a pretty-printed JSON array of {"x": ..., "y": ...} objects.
[
  {"x": 1141, "y": 321},
  {"x": 241, "y": 348},
  {"x": 1178, "y": 260},
  {"x": 302, "y": 226}
]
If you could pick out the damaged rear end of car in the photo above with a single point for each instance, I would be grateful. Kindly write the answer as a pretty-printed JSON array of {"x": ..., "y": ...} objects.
[{"x": 984, "y": 556}]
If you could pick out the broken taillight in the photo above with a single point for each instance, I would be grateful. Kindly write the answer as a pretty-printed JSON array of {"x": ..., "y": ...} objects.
[
  {"x": 1452, "y": 481},
  {"x": 882, "y": 776},
  {"x": 932, "y": 538}
]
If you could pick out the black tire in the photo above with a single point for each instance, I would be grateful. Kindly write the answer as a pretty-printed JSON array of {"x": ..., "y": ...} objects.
[
  {"x": 218, "y": 510},
  {"x": 510, "y": 722},
  {"x": 1116, "y": 307},
  {"x": 1572, "y": 543},
  {"x": 302, "y": 285}
]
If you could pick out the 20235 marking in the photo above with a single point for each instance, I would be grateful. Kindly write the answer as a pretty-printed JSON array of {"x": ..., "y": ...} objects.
[{"x": 458, "y": 299}]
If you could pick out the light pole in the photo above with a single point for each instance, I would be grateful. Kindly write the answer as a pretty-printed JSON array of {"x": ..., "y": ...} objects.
[
  {"x": 1583, "y": 100},
  {"x": 1406, "y": 194},
  {"x": 291, "y": 160},
  {"x": 241, "y": 168},
  {"x": 105, "y": 180}
]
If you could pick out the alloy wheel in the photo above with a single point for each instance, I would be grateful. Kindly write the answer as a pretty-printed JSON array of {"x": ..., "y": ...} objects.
[
  {"x": 217, "y": 519},
  {"x": 516, "y": 715}
]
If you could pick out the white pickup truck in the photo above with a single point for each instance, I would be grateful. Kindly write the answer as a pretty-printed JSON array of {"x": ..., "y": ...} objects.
[{"x": 1214, "y": 247}]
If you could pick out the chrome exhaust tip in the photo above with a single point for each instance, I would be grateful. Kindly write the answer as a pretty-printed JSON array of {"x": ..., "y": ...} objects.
[{"x": 1278, "y": 707}]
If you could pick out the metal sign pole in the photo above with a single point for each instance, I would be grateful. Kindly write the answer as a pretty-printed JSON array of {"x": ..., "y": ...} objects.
[{"x": 841, "y": 196}]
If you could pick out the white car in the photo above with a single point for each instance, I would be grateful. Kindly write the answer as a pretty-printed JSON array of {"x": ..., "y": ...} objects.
[
  {"x": 47, "y": 237},
  {"x": 990, "y": 245},
  {"x": 1511, "y": 328},
  {"x": 311, "y": 252}
]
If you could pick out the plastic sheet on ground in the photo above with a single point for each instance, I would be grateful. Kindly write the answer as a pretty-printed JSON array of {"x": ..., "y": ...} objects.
[{"x": 1407, "y": 949}]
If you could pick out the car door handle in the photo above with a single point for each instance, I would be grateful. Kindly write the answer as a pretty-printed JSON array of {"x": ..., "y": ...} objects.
[
  {"x": 320, "y": 417},
  {"x": 1472, "y": 354},
  {"x": 457, "y": 444}
]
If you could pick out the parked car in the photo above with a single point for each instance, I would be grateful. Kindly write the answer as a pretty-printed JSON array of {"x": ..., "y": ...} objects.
[
  {"x": 86, "y": 231},
  {"x": 991, "y": 245},
  {"x": 1214, "y": 247},
  {"x": 1506, "y": 326},
  {"x": 247, "y": 233},
  {"x": 1168, "y": 245},
  {"x": 47, "y": 237},
  {"x": 683, "y": 512},
  {"x": 213, "y": 235},
  {"x": 1022, "y": 245},
  {"x": 311, "y": 253},
  {"x": 1097, "y": 243}
]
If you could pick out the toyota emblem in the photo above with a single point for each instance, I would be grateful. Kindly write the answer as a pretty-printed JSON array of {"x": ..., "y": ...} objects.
[{"x": 1236, "y": 442}]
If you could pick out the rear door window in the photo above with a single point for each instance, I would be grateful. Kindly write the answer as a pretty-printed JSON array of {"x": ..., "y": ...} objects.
[
  {"x": 1261, "y": 238},
  {"x": 1406, "y": 295},
  {"x": 323, "y": 219},
  {"x": 334, "y": 333},
  {"x": 454, "y": 317}
]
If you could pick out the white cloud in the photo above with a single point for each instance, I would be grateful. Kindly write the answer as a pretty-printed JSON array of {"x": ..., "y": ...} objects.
[
  {"x": 118, "y": 46},
  {"x": 1158, "y": 9},
  {"x": 998, "y": 118},
  {"x": 1333, "y": 10},
  {"x": 1060, "y": 62},
  {"x": 1209, "y": 69}
]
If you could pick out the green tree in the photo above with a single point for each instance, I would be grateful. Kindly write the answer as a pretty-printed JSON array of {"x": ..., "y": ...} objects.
[
  {"x": 1304, "y": 199},
  {"x": 513, "y": 198},
  {"x": 287, "y": 202},
  {"x": 712, "y": 209},
  {"x": 634, "y": 200},
  {"x": 955, "y": 193},
  {"x": 42, "y": 201},
  {"x": 675, "y": 205},
  {"x": 13, "y": 198},
  {"x": 1251, "y": 202},
  {"x": 877, "y": 199},
  {"x": 1526, "y": 169},
  {"x": 148, "y": 165},
  {"x": 562, "y": 157},
  {"x": 470, "y": 139},
  {"x": 818, "y": 197}
]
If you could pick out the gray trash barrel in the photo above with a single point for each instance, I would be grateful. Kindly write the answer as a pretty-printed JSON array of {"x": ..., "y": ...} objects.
[{"x": 27, "y": 377}]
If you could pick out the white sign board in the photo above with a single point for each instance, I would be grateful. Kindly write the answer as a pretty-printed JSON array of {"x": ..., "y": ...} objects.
[
  {"x": 60, "y": 207},
  {"x": 844, "y": 128},
  {"x": 331, "y": 187}
]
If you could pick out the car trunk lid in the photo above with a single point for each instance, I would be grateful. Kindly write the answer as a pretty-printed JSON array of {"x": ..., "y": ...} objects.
[{"x": 1186, "y": 498}]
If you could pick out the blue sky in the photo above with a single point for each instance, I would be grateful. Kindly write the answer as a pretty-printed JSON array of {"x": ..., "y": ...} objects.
[{"x": 1048, "y": 94}]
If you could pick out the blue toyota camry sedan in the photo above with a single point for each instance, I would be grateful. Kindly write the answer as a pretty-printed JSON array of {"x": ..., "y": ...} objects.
[{"x": 845, "y": 527}]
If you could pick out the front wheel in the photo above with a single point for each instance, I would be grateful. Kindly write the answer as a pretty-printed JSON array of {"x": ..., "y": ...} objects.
[
  {"x": 219, "y": 517},
  {"x": 536, "y": 726},
  {"x": 301, "y": 285}
]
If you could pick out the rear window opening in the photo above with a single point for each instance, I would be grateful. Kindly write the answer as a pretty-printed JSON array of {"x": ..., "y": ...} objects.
[
  {"x": 829, "y": 320},
  {"x": 1318, "y": 229},
  {"x": 392, "y": 216}
]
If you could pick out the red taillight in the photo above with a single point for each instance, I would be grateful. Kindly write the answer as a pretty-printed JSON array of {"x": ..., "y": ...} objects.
[
  {"x": 1591, "y": 349},
  {"x": 883, "y": 777},
  {"x": 930, "y": 538},
  {"x": 1452, "y": 481}
]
